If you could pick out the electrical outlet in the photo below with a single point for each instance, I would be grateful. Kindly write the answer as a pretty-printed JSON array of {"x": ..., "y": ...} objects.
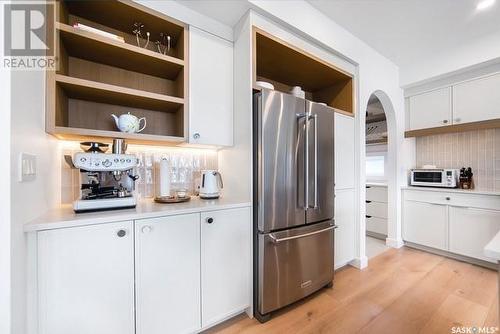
[{"x": 27, "y": 167}]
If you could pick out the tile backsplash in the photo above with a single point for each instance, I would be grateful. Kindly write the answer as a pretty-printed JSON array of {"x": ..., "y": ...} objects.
[
  {"x": 477, "y": 149},
  {"x": 185, "y": 166}
]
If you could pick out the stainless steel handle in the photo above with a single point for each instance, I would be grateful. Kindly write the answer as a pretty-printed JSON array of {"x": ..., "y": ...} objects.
[
  {"x": 306, "y": 161},
  {"x": 306, "y": 167},
  {"x": 315, "y": 118},
  {"x": 276, "y": 240}
]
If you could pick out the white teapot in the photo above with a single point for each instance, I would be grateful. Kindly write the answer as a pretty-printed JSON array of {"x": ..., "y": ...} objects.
[{"x": 129, "y": 123}]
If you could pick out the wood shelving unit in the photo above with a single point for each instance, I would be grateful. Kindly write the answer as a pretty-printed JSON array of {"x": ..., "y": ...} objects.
[
  {"x": 98, "y": 76},
  {"x": 285, "y": 66}
]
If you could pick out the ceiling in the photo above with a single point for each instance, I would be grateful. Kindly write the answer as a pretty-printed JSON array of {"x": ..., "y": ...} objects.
[
  {"x": 410, "y": 31},
  {"x": 425, "y": 38}
]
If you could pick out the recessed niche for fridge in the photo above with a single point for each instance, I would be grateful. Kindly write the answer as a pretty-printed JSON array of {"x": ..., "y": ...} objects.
[{"x": 286, "y": 66}]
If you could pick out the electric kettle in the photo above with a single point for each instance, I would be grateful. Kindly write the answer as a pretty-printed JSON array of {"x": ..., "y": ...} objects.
[{"x": 211, "y": 184}]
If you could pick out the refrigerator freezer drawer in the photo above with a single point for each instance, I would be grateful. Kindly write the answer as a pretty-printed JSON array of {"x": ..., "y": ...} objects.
[{"x": 293, "y": 264}]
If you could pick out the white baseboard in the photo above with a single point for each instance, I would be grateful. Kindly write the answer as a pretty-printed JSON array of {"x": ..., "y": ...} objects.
[
  {"x": 394, "y": 243},
  {"x": 359, "y": 262}
]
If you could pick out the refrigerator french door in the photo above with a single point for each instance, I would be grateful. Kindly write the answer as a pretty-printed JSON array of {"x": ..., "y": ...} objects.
[{"x": 293, "y": 199}]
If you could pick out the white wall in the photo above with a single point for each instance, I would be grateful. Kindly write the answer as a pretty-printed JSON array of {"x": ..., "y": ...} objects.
[
  {"x": 4, "y": 196},
  {"x": 484, "y": 49},
  {"x": 189, "y": 16},
  {"x": 29, "y": 199}
]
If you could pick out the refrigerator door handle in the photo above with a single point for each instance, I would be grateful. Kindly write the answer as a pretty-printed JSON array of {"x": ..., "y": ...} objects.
[
  {"x": 278, "y": 240},
  {"x": 315, "y": 119},
  {"x": 306, "y": 161},
  {"x": 305, "y": 116}
]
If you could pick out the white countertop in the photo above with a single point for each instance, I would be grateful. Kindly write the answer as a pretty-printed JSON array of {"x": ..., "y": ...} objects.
[
  {"x": 146, "y": 208},
  {"x": 492, "y": 249},
  {"x": 454, "y": 190},
  {"x": 376, "y": 184}
]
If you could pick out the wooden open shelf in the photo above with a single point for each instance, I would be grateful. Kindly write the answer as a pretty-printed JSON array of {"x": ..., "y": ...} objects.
[
  {"x": 285, "y": 66},
  {"x": 98, "y": 76},
  {"x": 65, "y": 133},
  {"x": 482, "y": 125},
  {"x": 86, "y": 45},
  {"x": 99, "y": 92}
]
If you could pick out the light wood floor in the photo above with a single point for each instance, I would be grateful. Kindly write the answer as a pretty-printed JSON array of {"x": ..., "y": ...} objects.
[{"x": 402, "y": 291}]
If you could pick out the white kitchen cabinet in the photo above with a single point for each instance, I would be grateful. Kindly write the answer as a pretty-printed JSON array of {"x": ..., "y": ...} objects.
[
  {"x": 431, "y": 109},
  {"x": 426, "y": 224},
  {"x": 471, "y": 229},
  {"x": 210, "y": 89},
  {"x": 225, "y": 263},
  {"x": 86, "y": 280},
  {"x": 345, "y": 234},
  {"x": 344, "y": 151},
  {"x": 376, "y": 224},
  {"x": 476, "y": 100},
  {"x": 168, "y": 274}
]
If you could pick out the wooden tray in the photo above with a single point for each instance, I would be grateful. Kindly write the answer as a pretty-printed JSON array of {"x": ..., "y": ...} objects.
[{"x": 172, "y": 199}]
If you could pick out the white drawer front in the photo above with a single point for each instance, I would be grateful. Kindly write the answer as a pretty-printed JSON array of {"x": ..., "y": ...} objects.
[
  {"x": 455, "y": 199},
  {"x": 377, "y": 194},
  {"x": 377, "y": 225},
  {"x": 376, "y": 209}
]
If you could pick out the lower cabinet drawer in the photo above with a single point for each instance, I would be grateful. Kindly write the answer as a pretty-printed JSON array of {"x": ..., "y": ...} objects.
[
  {"x": 376, "y": 193},
  {"x": 376, "y": 209},
  {"x": 377, "y": 225}
]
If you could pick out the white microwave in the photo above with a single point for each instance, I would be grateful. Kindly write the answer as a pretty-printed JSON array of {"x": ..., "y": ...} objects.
[{"x": 446, "y": 178}]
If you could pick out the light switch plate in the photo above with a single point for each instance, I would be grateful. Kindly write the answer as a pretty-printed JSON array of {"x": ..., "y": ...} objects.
[{"x": 27, "y": 167}]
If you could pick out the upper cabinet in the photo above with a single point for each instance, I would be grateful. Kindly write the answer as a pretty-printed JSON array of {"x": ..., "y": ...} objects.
[
  {"x": 286, "y": 66},
  {"x": 431, "y": 109},
  {"x": 476, "y": 100},
  {"x": 133, "y": 60},
  {"x": 210, "y": 89},
  {"x": 465, "y": 106}
]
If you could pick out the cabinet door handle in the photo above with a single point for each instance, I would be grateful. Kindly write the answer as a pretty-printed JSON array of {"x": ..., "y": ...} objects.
[
  {"x": 368, "y": 216},
  {"x": 368, "y": 201},
  {"x": 458, "y": 120},
  {"x": 368, "y": 187},
  {"x": 209, "y": 220},
  {"x": 121, "y": 233},
  {"x": 445, "y": 121},
  {"x": 196, "y": 135},
  {"x": 146, "y": 229},
  {"x": 448, "y": 198}
]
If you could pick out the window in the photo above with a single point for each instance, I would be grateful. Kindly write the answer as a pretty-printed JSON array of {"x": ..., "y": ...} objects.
[{"x": 375, "y": 167}]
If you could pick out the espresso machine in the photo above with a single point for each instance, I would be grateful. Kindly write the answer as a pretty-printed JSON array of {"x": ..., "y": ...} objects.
[{"x": 107, "y": 180}]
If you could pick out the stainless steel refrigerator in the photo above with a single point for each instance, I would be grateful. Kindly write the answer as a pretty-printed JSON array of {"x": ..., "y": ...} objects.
[{"x": 293, "y": 199}]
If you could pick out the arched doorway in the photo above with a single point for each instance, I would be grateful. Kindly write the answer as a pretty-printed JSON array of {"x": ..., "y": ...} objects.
[{"x": 381, "y": 223}]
